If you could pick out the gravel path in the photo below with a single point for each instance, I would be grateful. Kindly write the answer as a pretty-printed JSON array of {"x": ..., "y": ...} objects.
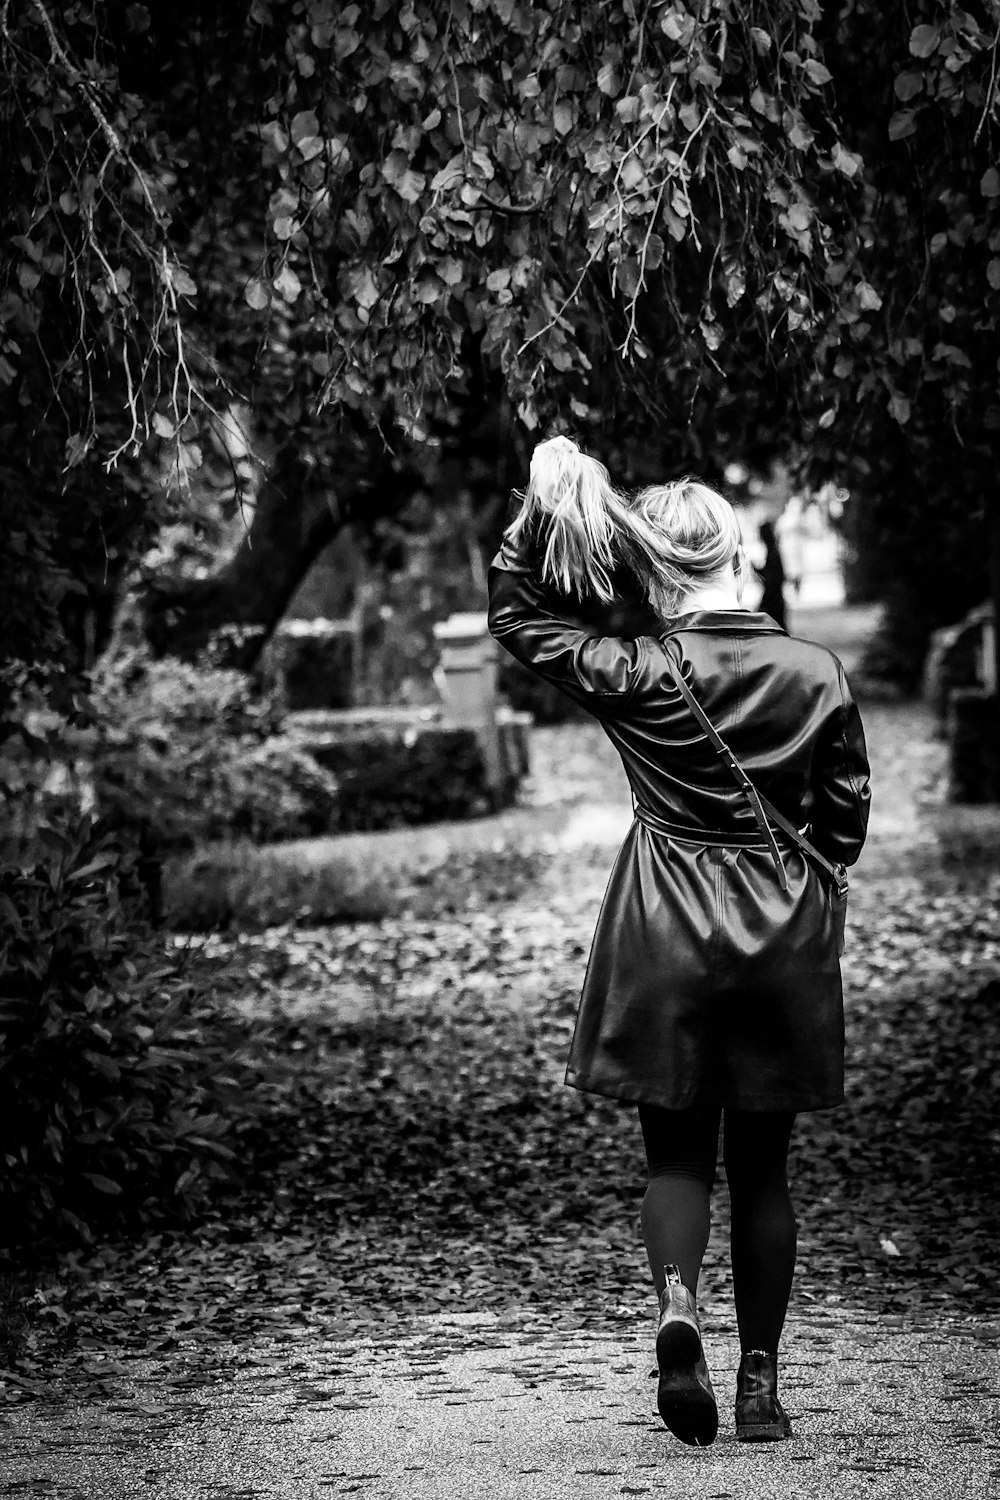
[{"x": 500, "y": 1408}]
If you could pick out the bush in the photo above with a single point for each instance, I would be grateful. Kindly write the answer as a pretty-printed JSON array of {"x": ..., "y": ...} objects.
[
  {"x": 189, "y": 754},
  {"x": 171, "y": 700},
  {"x": 392, "y": 777},
  {"x": 314, "y": 663},
  {"x": 210, "y": 789},
  {"x": 117, "y": 1075}
]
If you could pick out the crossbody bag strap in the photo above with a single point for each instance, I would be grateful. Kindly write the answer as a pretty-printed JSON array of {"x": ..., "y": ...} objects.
[{"x": 763, "y": 809}]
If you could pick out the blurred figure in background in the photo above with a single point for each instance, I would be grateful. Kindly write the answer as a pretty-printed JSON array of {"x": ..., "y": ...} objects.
[{"x": 771, "y": 572}]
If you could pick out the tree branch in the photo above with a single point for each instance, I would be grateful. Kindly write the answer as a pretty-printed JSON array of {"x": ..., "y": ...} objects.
[{"x": 114, "y": 140}]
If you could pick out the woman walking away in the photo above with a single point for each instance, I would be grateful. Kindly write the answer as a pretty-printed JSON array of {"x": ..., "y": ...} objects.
[{"x": 713, "y": 991}]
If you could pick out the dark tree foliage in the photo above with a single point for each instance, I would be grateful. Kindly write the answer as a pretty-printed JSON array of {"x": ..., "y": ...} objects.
[
  {"x": 913, "y": 412},
  {"x": 408, "y": 232},
  {"x": 386, "y": 223}
]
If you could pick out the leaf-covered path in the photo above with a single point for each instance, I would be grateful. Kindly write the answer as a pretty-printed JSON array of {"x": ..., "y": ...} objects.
[{"x": 433, "y": 1259}]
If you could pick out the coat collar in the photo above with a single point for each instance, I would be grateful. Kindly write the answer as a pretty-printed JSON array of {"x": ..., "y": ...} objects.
[{"x": 738, "y": 621}]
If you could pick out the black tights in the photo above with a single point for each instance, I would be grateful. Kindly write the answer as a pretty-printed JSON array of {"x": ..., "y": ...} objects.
[{"x": 681, "y": 1150}]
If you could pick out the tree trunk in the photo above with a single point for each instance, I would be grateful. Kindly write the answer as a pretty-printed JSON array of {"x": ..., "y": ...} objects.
[
  {"x": 300, "y": 509},
  {"x": 297, "y": 514}
]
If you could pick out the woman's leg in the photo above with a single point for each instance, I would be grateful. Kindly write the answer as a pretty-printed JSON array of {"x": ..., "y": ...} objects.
[
  {"x": 681, "y": 1150},
  {"x": 763, "y": 1223}
]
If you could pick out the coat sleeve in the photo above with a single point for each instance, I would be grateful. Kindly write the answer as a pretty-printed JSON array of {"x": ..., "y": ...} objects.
[
  {"x": 598, "y": 671},
  {"x": 841, "y": 789}
]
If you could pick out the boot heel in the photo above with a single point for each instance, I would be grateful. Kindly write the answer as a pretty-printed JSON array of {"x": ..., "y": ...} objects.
[{"x": 763, "y": 1432}]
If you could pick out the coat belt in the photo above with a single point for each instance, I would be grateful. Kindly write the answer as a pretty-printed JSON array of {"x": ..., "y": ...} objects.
[{"x": 732, "y": 838}]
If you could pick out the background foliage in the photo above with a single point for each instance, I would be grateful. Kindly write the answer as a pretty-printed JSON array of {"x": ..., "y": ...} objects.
[{"x": 119, "y": 1073}]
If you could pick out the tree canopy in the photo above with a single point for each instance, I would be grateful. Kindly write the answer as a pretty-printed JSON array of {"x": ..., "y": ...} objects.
[{"x": 689, "y": 231}]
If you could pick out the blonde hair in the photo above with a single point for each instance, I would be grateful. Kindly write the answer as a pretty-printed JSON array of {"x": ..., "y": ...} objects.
[
  {"x": 585, "y": 519},
  {"x": 672, "y": 536},
  {"x": 686, "y": 532}
]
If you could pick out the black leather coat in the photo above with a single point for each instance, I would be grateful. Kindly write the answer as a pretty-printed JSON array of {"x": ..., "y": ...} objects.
[{"x": 705, "y": 976}]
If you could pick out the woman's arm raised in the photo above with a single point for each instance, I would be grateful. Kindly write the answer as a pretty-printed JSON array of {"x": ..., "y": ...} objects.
[{"x": 598, "y": 671}]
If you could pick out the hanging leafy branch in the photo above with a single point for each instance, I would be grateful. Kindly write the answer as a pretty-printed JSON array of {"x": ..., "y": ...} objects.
[
  {"x": 94, "y": 294},
  {"x": 445, "y": 171},
  {"x": 429, "y": 174}
]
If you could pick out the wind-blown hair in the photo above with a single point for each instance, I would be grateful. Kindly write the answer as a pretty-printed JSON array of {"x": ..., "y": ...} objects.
[
  {"x": 685, "y": 532},
  {"x": 673, "y": 536},
  {"x": 584, "y": 520}
]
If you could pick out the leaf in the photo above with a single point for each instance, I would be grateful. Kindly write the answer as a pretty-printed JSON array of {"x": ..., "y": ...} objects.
[
  {"x": 94, "y": 867},
  {"x": 847, "y": 162},
  {"x": 902, "y": 124},
  {"x": 256, "y": 294},
  {"x": 631, "y": 173},
  {"x": 627, "y": 274},
  {"x": 77, "y": 448},
  {"x": 993, "y": 273},
  {"x": 654, "y": 252},
  {"x": 398, "y": 173},
  {"x": 182, "y": 283},
  {"x": 868, "y": 297},
  {"x": 761, "y": 40},
  {"x": 53, "y": 839},
  {"x": 908, "y": 85},
  {"x": 287, "y": 284},
  {"x": 452, "y": 173},
  {"x": 989, "y": 183},
  {"x": 818, "y": 72},
  {"x": 677, "y": 25},
  {"x": 304, "y": 126},
  {"x": 924, "y": 40},
  {"x": 563, "y": 117},
  {"x": 609, "y": 80},
  {"x": 103, "y": 1184},
  {"x": 900, "y": 409},
  {"x": 163, "y": 426},
  {"x": 363, "y": 286}
]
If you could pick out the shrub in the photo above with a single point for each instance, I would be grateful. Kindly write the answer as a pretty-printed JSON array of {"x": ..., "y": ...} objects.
[
  {"x": 175, "y": 699},
  {"x": 190, "y": 754},
  {"x": 211, "y": 789},
  {"x": 117, "y": 1073},
  {"x": 391, "y": 777},
  {"x": 314, "y": 661}
]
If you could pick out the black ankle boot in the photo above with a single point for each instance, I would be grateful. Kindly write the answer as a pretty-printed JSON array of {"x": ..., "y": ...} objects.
[
  {"x": 760, "y": 1417},
  {"x": 684, "y": 1397}
]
